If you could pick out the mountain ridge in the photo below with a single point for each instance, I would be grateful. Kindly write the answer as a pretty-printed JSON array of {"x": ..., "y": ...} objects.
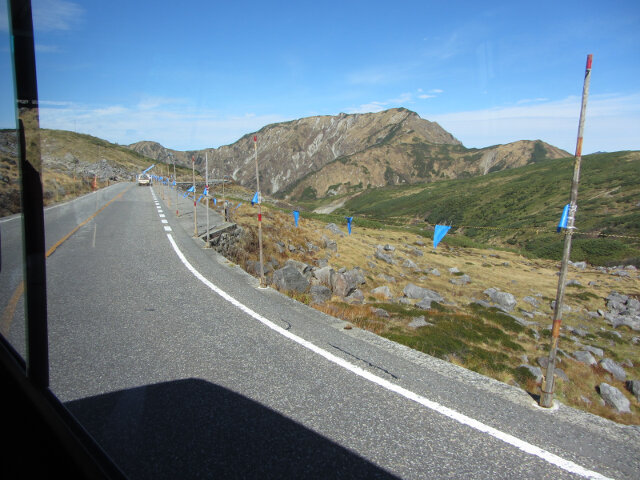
[{"x": 299, "y": 158}]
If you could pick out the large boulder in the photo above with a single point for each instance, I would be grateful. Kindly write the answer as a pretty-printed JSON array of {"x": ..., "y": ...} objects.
[
  {"x": 325, "y": 276},
  {"x": 584, "y": 357},
  {"x": 419, "y": 293},
  {"x": 614, "y": 398},
  {"x": 613, "y": 368},
  {"x": 383, "y": 291},
  {"x": 289, "y": 278},
  {"x": 302, "y": 267},
  {"x": 504, "y": 300},
  {"x": 319, "y": 293},
  {"x": 344, "y": 284}
]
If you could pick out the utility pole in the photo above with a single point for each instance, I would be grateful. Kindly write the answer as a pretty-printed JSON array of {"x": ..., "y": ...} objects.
[
  {"x": 195, "y": 213},
  {"x": 546, "y": 399},
  {"x": 255, "y": 149},
  {"x": 224, "y": 199},
  {"x": 175, "y": 179},
  {"x": 206, "y": 197}
]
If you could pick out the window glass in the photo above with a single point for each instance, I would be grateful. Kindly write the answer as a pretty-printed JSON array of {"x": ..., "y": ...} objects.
[{"x": 12, "y": 325}]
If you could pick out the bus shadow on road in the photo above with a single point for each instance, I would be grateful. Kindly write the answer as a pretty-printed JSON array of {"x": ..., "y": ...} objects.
[{"x": 195, "y": 429}]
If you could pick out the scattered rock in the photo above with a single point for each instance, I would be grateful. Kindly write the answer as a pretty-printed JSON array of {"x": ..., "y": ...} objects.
[
  {"x": 595, "y": 350},
  {"x": 410, "y": 264},
  {"x": 504, "y": 300},
  {"x": 531, "y": 300},
  {"x": 289, "y": 278},
  {"x": 462, "y": 280},
  {"x": 418, "y": 322},
  {"x": 380, "y": 255},
  {"x": 415, "y": 292},
  {"x": 585, "y": 357},
  {"x": 356, "y": 296},
  {"x": 387, "y": 278},
  {"x": 435, "y": 272},
  {"x": 535, "y": 371},
  {"x": 333, "y": 228},
  {"x": 424, "y": 304},
  {"x": 573, "y": 282},
  {"x": 325, "y": 275},
  {"x": 389, "y": 248},
  {"x": 329, "y": 244},
  {"x": 634, "y": 387},
  {"x": 614, "y": 398},
  {"x": 580, "y": 265},
  {"x": 558, "y": 372},
  {"x": 383, "y": 291},
  {"x": 380, "y": 312},
  {"x": 613, "y": 368},
  {"x": 320, "y": 294},
  {"x": 454, "y": 270}
]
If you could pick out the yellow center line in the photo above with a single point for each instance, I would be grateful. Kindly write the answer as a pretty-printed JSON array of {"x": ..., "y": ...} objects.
[{"x": 10, "y": 309}]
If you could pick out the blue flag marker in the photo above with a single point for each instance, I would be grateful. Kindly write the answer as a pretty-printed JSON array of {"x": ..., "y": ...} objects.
[
  {"x": 215, "y": 202},
  {"x": 349, "y": 220},
  {"x": 439, "y": 233},
  {"x": 563, "y": 218},
  {"x": 256, "y": 199},
  {"x": 296, "y": 216},
  {"x": 238, "y": 206}
]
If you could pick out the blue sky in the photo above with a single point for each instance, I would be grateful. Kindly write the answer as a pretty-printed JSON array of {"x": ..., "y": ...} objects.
[{"x": 203, "y": 73}]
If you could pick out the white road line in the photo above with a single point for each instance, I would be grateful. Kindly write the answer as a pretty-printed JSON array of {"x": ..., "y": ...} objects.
[
  {"x": 526, "y": 447},
  {"x": 167, "y": 228}
]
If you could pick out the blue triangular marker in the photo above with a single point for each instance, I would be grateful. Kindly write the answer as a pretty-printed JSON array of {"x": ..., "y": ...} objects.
[
  {"x": 256, "y": 199},
  {"x": 439, "y": 233},
  {"x": 296, "y": 216},
  {"x": 563, "y": 218},
  {"x": 349, "y": 220}
]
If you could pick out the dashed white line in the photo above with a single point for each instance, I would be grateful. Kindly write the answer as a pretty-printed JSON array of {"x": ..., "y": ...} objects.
[
  {"x": 167, "y": 228},
  {"x": 526, "y": 447}
]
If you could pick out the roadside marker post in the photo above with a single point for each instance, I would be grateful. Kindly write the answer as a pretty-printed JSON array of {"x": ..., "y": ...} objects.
[
  {"x": 255, "y": 149},
  {"x": 195, "y": 214},
  {"x": 546, "y": 399},
  {"x": 206, "y": 196}
]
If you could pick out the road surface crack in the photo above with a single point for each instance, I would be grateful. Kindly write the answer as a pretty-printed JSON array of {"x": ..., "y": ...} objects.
[{"x": 372, "y": 365}]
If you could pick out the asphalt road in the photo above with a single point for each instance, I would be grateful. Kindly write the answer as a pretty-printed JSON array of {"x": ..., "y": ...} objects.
[{"x": 182, "y": 367}]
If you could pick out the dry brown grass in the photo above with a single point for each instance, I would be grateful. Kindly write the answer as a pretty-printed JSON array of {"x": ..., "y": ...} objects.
[{"x": 507, "y": 271}]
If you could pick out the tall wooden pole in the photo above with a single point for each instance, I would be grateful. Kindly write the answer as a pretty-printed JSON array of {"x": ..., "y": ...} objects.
[
  {"x": 175, "y": 179},
  {"x": 195, "y": 212},
  {"x": 546, "y": 400},
  {"x": 255, "y": 149},
  {"x": 206, "y": 197}
]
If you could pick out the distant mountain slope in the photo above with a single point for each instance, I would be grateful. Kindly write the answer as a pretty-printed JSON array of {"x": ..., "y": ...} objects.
[
  {"x": 407, "y": 160},
  {"x": 522, "y": 206},
  {"x": 330, "y": 155},
  {"x": 70, "y": 162},
  {"x": 288, "y": 151}
]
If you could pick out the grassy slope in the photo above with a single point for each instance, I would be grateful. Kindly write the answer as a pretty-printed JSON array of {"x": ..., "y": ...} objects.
[
  {"x": 522, "y": 206},
  {"x": 480, "y": 339},
  {"x": 65, "y": 156}
]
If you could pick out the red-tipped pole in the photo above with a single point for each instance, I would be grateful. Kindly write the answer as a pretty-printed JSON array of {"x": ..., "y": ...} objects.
[
  {"x": 546, "y": 399},
  {"x": 255, "y": 149}
]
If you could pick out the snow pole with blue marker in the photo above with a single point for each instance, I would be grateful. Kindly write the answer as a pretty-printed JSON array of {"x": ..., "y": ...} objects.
[
  {"x": 546, "y": 399},
  {"x": 255, "y": 150}
]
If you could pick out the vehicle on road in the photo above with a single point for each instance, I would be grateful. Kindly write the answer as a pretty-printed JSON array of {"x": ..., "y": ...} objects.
[{"x": 144, "y": 179}]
